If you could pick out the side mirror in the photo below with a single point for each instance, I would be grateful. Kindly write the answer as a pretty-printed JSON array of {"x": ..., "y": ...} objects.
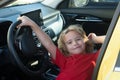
[{"x": 78, "y": 3}]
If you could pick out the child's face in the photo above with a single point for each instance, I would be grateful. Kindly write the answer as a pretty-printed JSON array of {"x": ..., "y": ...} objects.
[{"x": 74, "y": 42}]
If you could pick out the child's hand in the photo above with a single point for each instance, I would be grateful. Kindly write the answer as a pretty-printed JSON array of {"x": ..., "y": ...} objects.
[
  {"x": 93, "y": 37},
  {"x": 25, "y": 21}
]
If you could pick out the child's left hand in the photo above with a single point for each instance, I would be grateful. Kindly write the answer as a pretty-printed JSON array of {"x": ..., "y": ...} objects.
[{"x": 92, "y": 36}]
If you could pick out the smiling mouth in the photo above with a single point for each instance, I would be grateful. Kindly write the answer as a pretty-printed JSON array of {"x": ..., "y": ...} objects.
[{"x": 78, "y": 47}]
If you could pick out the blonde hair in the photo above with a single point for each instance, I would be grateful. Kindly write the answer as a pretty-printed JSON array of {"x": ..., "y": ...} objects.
[{"x": 89, "y": 46}]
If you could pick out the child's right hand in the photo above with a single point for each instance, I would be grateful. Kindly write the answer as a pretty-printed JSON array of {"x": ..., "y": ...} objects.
[{"x": 26, "y": 21}]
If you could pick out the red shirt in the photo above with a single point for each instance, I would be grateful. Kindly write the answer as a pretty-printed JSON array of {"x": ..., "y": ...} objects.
[{"x": 75, "y": 67}]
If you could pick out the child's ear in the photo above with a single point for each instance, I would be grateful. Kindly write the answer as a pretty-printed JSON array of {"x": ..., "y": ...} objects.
[{"x": 89, "y": 46}]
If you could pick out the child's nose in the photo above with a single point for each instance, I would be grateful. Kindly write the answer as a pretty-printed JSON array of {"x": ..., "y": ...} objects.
[{"x": 75, "y": 42}]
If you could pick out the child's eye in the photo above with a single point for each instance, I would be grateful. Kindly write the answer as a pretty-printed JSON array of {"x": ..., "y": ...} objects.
[
  {"x": 78, "y": 39},
  {"x": 69, "y": 42}
]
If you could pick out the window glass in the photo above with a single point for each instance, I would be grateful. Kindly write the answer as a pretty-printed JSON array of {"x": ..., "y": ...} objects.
[
  {"x": 117, "y": 66},
  {"x": 78, "y": 3},
  {"x": 105, "y": 0},
  {"x": 81, "y": 3}
]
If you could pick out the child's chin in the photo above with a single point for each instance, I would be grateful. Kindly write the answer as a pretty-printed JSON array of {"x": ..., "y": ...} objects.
[{"x": 78, "y": 52}]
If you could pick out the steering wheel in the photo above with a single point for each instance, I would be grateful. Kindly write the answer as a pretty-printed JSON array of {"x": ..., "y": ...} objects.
[{"x": 32, "y": 60}]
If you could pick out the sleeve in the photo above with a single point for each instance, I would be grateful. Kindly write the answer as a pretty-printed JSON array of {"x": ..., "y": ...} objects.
[
  {"x": 95, "y": 57},
  {"x": 60, "y": 59}
]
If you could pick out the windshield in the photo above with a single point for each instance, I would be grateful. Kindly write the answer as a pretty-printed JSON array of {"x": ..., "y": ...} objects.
[
  {"x": 50, "y": 3},
  {"x": 6, "y": 3}
]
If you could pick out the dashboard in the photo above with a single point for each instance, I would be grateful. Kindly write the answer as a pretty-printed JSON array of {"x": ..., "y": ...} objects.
[{"x": 50, "y": 20}]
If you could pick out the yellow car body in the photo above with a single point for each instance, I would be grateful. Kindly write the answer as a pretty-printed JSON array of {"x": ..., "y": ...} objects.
[{"x": 108, "y": 63}]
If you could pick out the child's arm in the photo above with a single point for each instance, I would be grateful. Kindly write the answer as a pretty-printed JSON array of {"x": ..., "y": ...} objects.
[
  {"x": 42, "y": 36},
  {"x": 96, "y": 39}
]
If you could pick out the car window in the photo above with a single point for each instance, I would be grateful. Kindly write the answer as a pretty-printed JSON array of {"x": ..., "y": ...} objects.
[
  {"x": 117, "y": 66},
  {"x": 105, "y": 0},
  {"x": 81, "y": 3}
]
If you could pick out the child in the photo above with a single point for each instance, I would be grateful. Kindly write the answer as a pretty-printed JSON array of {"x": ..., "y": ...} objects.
[{"x": 74, "y": 54}]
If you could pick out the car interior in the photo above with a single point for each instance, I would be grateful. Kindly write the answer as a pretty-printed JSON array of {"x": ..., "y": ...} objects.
[{"x": 23, "y": 57}]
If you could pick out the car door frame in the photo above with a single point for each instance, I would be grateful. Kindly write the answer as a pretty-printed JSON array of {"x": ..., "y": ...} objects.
[{"x": 109, "y": 55}]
